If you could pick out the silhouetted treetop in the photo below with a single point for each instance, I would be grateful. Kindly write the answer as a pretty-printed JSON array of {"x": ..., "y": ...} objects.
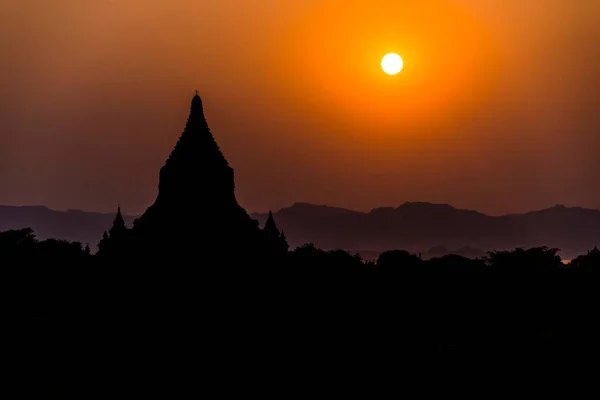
[
  {"x": 533, "y": 259},
  {"x": 588, "y": 262},
  {"x": 398, "y": 259}
]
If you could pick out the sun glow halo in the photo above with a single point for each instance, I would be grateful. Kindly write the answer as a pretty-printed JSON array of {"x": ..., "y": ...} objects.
[{"x": 438, "y": 73}]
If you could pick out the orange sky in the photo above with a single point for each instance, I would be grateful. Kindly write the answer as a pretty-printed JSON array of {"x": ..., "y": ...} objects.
[{"x": 496, "y": 109}]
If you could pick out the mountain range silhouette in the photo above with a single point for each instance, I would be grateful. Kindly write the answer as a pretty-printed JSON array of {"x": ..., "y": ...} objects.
[{"x": 416, "y": 226}]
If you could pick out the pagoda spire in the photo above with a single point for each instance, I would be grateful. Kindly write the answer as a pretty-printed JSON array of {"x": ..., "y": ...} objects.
[
  {"x": 195, "y": 153},
  {"x": 196, "y": 194},
  {"x": 119, "y": 217},
  {"x": 270, "y": 226},
  {"x": 118, "y": 226},
  {"x": 196, "y": 106},
  {"x": 277, "y": 242}
]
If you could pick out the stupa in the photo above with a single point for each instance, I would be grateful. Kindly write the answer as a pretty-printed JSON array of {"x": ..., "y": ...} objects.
[{"x": 196, "y": 209}]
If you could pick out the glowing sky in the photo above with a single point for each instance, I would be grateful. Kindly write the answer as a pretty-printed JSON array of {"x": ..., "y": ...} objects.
[{"x": 497, "y": 108}]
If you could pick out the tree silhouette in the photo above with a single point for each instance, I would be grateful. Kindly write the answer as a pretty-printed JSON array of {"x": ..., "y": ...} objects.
[
  {"x": 398, "y": 259},
  {"x": 587, "y": 262},
  {"x": 534, "y": 259}
]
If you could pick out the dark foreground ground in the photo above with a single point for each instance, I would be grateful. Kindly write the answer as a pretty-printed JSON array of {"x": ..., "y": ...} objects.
[{"x": 157, "y": 330}]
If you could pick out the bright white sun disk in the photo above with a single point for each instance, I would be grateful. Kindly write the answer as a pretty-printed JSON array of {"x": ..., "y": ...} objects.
[{"x": 392, "y": 64}]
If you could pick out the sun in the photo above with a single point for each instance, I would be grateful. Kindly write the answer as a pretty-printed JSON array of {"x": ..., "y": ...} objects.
[{"x": 392, "y": 64}]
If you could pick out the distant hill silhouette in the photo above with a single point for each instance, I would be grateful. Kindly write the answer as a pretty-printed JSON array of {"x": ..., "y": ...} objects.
[{"x": 419, "y": 226}]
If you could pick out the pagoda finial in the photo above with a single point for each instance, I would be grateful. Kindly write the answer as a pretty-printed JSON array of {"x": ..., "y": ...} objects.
[
  {"x": 118, "y": 223},
  {"x": 196, "y": 103},
  {"x": 119, "y": 217},
  {"x": 270, "y": 225}
]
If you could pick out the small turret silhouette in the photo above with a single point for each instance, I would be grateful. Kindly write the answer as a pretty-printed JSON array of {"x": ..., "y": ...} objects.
[
  {"x": 270, "y": 226},
  {"x": 284, "y": 243},
  {"x": 276, "y": 240},
  {"x": 116, "y": 241},
  {"x": 103, "y": 245},
  {"x": 118, "y": 229}
]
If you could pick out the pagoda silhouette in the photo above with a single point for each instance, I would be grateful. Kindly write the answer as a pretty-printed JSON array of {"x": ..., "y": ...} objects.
[{"x": 196, "y": 211}]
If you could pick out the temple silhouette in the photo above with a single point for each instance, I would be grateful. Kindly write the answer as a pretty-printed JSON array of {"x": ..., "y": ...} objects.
[{"x": 196, "y": 210}]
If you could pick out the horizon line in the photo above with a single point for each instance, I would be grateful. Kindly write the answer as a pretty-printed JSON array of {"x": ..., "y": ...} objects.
[{"x": 320, "y": 205}]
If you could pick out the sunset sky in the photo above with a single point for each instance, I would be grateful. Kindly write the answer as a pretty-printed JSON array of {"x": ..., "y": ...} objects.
[{"x": 497, "y": 108}]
